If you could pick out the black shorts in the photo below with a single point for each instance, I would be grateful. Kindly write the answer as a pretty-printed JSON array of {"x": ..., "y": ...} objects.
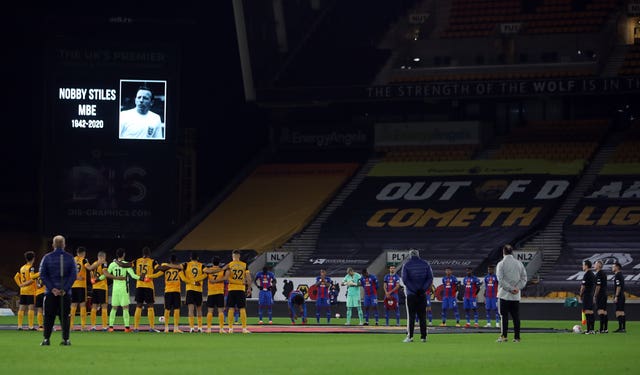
[
  {"x": 620, "y": 304},
  {"x": 236, "y": 298},
  {"x": 98, "y": 296},
  {"x": 172, "y": 300},
  {"x": 587, "y": 303},
  {"x": 40, "y": 301},
  {"x": 145, "y": 295},
  {"x": 601, "y": 303},
  {"x": 215, "y": 300},
  {"x": 78, "y": 295},
  {"x": 27, "y": 299},
  {"x": 194, "y": 298}
]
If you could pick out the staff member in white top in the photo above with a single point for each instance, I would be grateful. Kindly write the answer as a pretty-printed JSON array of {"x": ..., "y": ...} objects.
[
  {"x": 140, "y": 122},
  {"x": 512, "y": 277}
]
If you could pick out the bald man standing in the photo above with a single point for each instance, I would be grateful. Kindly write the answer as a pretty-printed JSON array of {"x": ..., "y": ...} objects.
[{"x": 57, "y": 272}]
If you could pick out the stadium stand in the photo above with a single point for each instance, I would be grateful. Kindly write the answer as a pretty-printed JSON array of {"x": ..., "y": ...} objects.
[
  {"x": 628, "y": 151},
  {"x": 554, "y": 140},
  {"x": 403, "y": 205},
  {"x": 502, "y": 40},
  {"x": 473, "y": 18},
  {"x": 279, "y": 200},
  {"x": 631, "y": 64},
  {"x": 603, "y": 226},
  {"x": 272, "y": 204},
  {"x": 604, "y": 223}
]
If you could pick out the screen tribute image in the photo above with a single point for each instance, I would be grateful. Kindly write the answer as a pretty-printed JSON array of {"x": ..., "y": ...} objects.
[{"x": 142, "y": 109}]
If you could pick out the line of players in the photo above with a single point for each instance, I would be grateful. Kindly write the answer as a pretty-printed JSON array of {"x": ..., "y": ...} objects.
[
  {"x": 370, "y": 284},
  {"x": 193, "y": 274},
  {"x": 593, "y": 293},
  {"x": 221, "y": 281},
  {"x": 227, "y": 290},
  {"x": 391, "y": 285}
]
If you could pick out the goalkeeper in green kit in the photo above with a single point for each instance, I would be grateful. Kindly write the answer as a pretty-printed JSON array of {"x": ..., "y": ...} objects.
[
  {"x": 352, "y": 281},
  {"x": 120, "y": 290}
]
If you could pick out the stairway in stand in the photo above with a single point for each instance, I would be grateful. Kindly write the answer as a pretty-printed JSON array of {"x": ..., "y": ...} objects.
[
  {"x": 550, "y": 239},
  {"x": 304, "y": 244}
]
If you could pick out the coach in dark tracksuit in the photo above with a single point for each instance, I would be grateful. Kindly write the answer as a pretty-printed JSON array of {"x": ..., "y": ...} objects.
[
  {"x": 417, "y": 278},
  {"x": 57, "y": 272}
]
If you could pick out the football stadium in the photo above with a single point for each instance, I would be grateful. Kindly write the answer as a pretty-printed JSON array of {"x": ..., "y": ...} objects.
[{"x": 295, "y": 186}]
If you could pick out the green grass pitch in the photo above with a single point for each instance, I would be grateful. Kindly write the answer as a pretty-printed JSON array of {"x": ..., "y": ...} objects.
[{"x": 311, "y": 353}]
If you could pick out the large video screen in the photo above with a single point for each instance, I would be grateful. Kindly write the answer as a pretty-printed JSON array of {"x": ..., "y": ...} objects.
[
  {"x": 111, "y": 110},
  {"x": 128, "y": 109}
]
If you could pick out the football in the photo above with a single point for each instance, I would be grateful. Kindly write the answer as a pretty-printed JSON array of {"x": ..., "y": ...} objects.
[
  {"x": 337, "y": 315},
  {"x": 161, "y": 318},
  {"x": 577, "y": 328}
]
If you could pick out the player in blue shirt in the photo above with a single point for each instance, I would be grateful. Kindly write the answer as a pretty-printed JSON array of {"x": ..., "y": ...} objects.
[
  {"x": 491, "y": 295},
  {"x": 391, "y": 287},
  {"x": 370, "y": 285},
  {"x": 265, "y": 280},
  {"x": 323, "y": 299},
  {"x": 297, "y": 307},
  {"x": 429, "y": 292},
  {"x": 471, "y": 286},
  {"x": 449, "y": 293}
]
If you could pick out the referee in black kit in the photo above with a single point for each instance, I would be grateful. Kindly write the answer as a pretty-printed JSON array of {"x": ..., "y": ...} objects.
[
  {"x": 586, "y": 294},
  {"x": 618, "y": 298},
  {"x": 57, "y": 272}
]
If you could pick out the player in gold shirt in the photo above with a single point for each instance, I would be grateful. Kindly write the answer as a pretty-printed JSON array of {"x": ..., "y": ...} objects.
[
  {"x": 145, "y": 267},
  {"x": 172, "y": 277},
  {"x": 100, "y": 292},
  {"x": 236, "y": 274},
  {"x": 27, "y": 290},
  {"x": 215, "y": 294},
  {"x": 79, "y": 288},
  {"x": 39, "y": 298},
  {"x": 194, "y": 274}
]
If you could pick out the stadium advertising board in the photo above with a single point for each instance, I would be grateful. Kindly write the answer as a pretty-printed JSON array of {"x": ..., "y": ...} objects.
[
  {"x": 457, "y": 89},
  {"x": 626, "y": 260},
  {"x": 101, "y": 194},
  {"x": 428, "y": 133},
  {"x": 302, "y": 283},
  {"x": 567, "y": 275},
  {"x": 329, "y": 136},
  {"x": 337, "y": 264},
  {"x": 560, "y": 86}
]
